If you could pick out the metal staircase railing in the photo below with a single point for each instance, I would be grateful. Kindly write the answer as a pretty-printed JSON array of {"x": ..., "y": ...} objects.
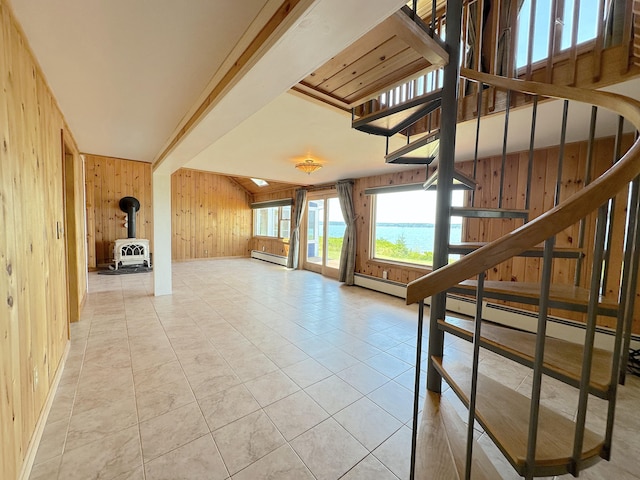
[{"x": 584, "y": 447}]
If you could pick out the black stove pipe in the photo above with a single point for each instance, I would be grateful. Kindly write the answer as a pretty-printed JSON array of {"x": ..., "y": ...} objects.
[{"x": 130, "y": 205}]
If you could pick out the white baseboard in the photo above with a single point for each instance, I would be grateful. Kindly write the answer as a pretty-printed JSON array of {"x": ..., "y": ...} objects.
[
  {"x": 379, "y": 285},
  {"x": 269, "y": 257},
  {"x": 34, "y": 443},
  {"x": 564, "y": 329}
]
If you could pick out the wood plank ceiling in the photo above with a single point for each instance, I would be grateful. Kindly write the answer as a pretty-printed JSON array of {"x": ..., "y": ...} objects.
[
  {"x": 395, "y": 51},
  {"x": 254, "y": 189}
]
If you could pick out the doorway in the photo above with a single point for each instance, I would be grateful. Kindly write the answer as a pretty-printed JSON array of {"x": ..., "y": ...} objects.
[
  {"x": 70, "y": 232},
  {"x": 325, "y": 227}
]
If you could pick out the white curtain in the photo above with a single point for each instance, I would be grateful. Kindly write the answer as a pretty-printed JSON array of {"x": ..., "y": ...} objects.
[
  {"x": 348, "y": 255},
  {"x": 296, "y": 217}
]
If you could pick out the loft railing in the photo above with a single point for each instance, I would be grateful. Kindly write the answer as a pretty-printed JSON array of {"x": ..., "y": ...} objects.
[{"x": 502, "y": 40}]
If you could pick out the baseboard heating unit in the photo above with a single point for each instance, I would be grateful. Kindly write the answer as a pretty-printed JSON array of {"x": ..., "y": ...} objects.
[
  {"x": 269, "y": 257},
  {"x": 512, "y": 317}
]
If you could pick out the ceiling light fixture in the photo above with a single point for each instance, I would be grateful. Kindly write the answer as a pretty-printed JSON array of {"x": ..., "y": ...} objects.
[{"x": 308, "y": 166}]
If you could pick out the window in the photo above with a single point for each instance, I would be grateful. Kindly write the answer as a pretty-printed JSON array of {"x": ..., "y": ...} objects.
[
  {"x": 403, "y": 226},
  {"x": 272, "y": 221},
  {"x": 543, "y": 19}
]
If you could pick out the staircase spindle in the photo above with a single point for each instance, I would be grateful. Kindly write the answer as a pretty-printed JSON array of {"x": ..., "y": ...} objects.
[
  {"x": 416, "y": 390},
  {"x": 474, "y": 375},
  {"x": 590, "y": 332},
  {"x": 563, "y": 138},
  {"x": 587, "y": 181},
  {"x": 612, "y": 210},
  {"x": 547, "y": 270},
  {"x": 475, "y": 151},
  {"x": 634, "y": 265},
  {"x": 625, "y": 320},
  {"x": 532, "y": 140},
  {"x": 504, "y": 147}
]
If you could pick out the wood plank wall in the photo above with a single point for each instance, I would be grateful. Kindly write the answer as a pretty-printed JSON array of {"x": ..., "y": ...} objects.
[
  {"x": 33, "y": 310},
  {"x": 276, "y": 246},
  {"x": 210, "y": 216},
  {"x": 107, "y": 181},
  {"x": 545, "y": 168}
]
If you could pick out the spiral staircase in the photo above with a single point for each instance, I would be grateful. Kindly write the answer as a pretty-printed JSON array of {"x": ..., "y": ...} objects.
[{"x": 536, "y": 440}]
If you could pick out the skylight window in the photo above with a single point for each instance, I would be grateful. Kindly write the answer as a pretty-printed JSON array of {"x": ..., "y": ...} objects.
[{"x": 259, "y": 182}]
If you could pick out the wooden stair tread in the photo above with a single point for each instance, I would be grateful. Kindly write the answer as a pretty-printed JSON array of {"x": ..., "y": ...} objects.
[
  {"x": 504, "y": 415},
  {"x": 424, "y": 147},
  {"x": 456, "y": 433},
  {"x": 389, "y": 121},
  {"x": 464, "y": 248},
  {"x": 434, "y": 458},
  {"x": 441, "y": 447},
  {"x": 479, "y": 212},
  {"x": 562, "y": 359},
  {"x": 566, "y": 297}
]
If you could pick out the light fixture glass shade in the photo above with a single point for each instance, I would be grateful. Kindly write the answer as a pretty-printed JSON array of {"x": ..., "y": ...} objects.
[{"x": 308, "y": 166}]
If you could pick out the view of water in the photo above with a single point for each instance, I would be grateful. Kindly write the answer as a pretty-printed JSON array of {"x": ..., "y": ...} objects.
[{"x": 417, "y": 236}]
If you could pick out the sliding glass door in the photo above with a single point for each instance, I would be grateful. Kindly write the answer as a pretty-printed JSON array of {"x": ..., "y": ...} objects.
[{"x": 324, "y": 234}]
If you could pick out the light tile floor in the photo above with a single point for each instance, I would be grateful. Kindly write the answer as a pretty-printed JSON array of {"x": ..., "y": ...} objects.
[{"x": 249, "y": 371}]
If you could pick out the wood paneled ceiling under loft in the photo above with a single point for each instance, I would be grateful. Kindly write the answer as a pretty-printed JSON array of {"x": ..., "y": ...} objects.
[{"x": 395, "y": 51}]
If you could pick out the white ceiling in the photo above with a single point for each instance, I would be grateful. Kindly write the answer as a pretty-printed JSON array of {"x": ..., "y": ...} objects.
[
  {"x": 126, "y": 72},
  {"x": 287, "y": 131}
]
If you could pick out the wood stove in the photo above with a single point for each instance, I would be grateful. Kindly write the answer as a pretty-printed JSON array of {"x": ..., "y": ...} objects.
[{"x": 131, "y": 251}]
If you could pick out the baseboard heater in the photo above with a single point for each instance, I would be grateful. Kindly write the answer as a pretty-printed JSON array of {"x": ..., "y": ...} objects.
[
  {"x": 269, "y": 257},
  {"x": 562, "y": 328}
]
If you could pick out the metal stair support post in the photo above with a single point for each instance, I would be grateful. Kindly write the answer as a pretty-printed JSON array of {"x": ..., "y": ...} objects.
[{"x": 448, "y": 122}]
